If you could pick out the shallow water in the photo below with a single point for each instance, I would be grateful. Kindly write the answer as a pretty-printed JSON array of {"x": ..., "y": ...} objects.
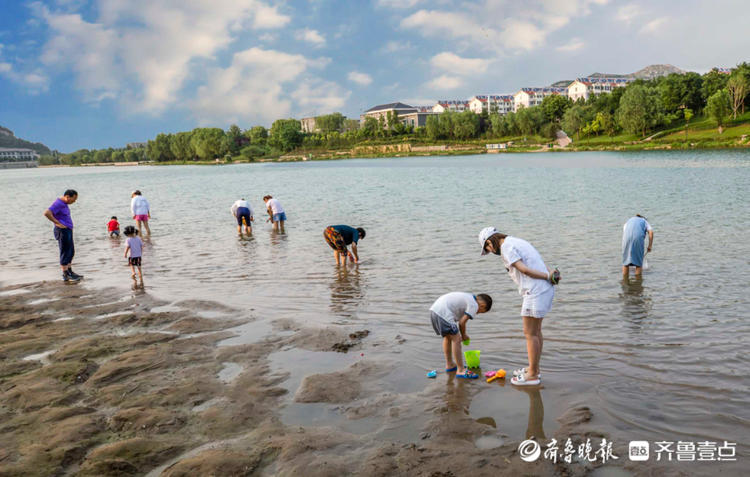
[{"x": 659, "y": 359}]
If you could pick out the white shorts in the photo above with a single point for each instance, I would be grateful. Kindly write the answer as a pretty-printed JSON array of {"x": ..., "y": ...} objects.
[{"x": 538, "y": 305}]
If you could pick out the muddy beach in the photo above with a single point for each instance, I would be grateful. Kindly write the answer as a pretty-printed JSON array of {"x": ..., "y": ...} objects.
[{"x": 105, "y": 382}]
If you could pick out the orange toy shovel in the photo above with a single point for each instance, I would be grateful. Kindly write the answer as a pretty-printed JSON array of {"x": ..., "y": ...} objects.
[{"x": 500, "y": 373}]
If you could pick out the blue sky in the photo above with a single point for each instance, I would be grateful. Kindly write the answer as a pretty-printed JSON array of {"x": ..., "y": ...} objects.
[{"x": 99, "y": 73}]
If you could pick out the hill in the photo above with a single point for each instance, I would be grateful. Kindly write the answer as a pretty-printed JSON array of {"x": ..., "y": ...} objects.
[
  {"x": 8, "y": 139},
  {"x": 649, "y": 72}
]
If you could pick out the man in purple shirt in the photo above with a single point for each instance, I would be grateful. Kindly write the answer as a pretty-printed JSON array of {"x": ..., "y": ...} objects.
[{"x": 59, "y": 214}]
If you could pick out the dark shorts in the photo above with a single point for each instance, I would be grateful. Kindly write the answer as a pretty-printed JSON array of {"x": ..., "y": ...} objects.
[
  {"x": 243, "y": 212},
  {"x": 64, "y": 239},
  {"x": 114, "y": 233},
  {"x": 442, "y": 327},
  {"x": 280, "y": 217},
  {"x": 134, "y": 261}
]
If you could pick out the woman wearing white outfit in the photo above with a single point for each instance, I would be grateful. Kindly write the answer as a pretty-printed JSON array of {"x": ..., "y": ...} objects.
[
  {"x": 535, "y": 284},
  {"x": 141, "y": 212}
]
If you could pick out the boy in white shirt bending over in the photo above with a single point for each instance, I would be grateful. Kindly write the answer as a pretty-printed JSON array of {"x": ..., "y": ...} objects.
[{"x": 449, "y": 315}]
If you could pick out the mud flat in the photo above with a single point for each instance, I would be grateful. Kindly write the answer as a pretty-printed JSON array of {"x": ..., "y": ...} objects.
[{"x": 119, "y": 387}]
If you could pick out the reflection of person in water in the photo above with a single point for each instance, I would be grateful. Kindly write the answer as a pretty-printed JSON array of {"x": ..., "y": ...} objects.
[
  {"x": 635, "y": 305},
  {"x": 346, "y": 290},
  {"x": 535, "y": 427}
]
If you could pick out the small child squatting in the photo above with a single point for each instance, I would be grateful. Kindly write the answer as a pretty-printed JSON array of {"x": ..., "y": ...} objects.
[{"x": 449, "y": 315}]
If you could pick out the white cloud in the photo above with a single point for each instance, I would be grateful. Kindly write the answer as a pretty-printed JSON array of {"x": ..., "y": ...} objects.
[
  {"x": 362, "y": 79},
  {"x": 628, "y": 13},
  {"x": 420, "y": 101},
  {"x": 500, "y": 26},
  {"x": 255, "y": 87},
  {"x": 653, "y": 26},
  {"x": 315, "y": 97},
  {"x": 141, "y": 52},
  {"x": 396, "y": 46},
  {"x": 445, "y": 82},
  {"x": 574, "y": 44},
  {"x": 398, "y": 4},
  {"x": 310, "y": 36},
  {"x": 455, "y": 64},
  {"x": 33, "y": 82}
]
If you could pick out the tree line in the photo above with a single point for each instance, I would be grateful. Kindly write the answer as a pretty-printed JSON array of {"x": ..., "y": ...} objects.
[{"x": 638, "y": 108}]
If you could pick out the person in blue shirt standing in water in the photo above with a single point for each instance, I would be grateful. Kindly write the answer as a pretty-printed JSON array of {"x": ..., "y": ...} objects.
[
  {"x": 633, "y": 235},
  {"x": 339, "y": 237}
]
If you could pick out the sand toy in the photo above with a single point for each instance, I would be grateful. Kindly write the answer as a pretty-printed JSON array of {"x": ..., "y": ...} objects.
[
  {"x": 499, "y": 374},
  {"x": 472, "y": 358}
]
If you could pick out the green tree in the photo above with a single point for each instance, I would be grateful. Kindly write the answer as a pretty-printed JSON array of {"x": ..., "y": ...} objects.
[
  {"x": 465, "y": 125},
  {"x": 131, "y": 156},
  {"x": 285, "y": 134},
  {"x": 718, "y": 107},
  {"x": 370, "y": 126},
  {"x": 258, "y": 135},
  {"x": 330, "y": 122},
  {"x": 432, "y": 126},
  {"x": 118, "y": 156},
  {"x": 687, "y": 113},
  {"x": 680, "y": 91},
  {"x": 713, "y": 81},
  {"x": 554, "y": 107},
  {"x": 640, "y": 109},
  {"x": 233, "y": 139},
  {"x": 102, "y": 155},
  {"x": 208, "y": 143},
  {"x": 737, "y": 88},
  {"x": 574, "y": 119},
  {"x": 159, "y": 149},
  {"x": 182, "y": 147}
]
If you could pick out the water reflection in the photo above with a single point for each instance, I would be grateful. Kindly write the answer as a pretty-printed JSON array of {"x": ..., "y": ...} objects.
[
  {"x": 636, "y": 305},
  {"x": 347, "y": 292},
  {"x": 535, "y": 426}
]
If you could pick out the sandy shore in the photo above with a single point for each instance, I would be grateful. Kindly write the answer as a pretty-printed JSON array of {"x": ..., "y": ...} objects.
[{"x": 102, "y": 382}]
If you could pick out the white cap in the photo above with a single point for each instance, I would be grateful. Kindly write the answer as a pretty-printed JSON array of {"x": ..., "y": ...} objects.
[{"x": 486, "y": 233}]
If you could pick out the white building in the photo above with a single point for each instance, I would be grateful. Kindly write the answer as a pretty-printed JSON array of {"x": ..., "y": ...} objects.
[
  {"x": 11, "y": 154},
  {"x": 492, "y": 103},
  {"x": 586, "y": 87},
  {"x": 456, "y": 106},
  {"x": 528, "y": 97},
  {"x": 382, "y": 110}
]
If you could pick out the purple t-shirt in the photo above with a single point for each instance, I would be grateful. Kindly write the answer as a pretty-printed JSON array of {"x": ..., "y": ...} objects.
[
  {"x": 136, "y": 246},
  {"x": 61, "y": 212}
]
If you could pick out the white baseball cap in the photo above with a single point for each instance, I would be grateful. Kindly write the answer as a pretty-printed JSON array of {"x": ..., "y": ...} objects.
[{"x": 486, "y": 233}]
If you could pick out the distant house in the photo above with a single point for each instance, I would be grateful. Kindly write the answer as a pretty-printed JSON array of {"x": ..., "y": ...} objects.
[
  {"x": 528, "y": 97},
  {"x": 454, "y": 105},
  {"x": 492, "y": 104},
  {"x": 586, "y": 87},
  {"x": 136, "y": 145},
  {"x": 382, "y": 110},
  {"x": 11, "y": 154},
  {"x": 417, "y": 119},
  {"x": 308, "y": 125},
  {"x": 724, "y": 71}
]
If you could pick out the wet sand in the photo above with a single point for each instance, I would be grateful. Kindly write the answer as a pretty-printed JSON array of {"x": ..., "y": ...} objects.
[{"x": 106, "y": 382}]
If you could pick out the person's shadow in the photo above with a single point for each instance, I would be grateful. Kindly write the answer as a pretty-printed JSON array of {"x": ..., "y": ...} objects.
[{"x": 346, "y": 291}]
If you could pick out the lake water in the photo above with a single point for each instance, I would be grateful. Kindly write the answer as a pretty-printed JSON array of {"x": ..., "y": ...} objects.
[{"x": 661, "y": 359}]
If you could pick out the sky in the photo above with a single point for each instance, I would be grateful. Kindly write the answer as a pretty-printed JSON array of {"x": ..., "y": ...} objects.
[{"x": 101, "y": 73}]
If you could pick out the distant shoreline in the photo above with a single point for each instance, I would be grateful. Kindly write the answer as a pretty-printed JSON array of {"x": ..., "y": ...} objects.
[{"x": 460, "y": 149}]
